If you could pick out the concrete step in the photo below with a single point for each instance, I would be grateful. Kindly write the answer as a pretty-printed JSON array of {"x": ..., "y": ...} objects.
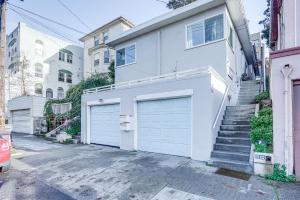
[
  {"x": 233, "y": 140},
  {"x": 233, "y": 148},
  {"x": 235, "y": 122},
  {"x": 235, "y": 127},
  {"x": 242, "y": 112},
  {"x": 243, "y": 107},
  {"x": 238, "y": 116},
  {"x": 232, "y": 165},
  {"x": 231, "y": 156},
  {"x": 236, "y": 134}
]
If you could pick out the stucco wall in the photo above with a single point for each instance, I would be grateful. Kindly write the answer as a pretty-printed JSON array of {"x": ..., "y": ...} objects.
[
  {"x": 204, "y": 103},
  {"x": 164, "y": 51},
  {"x": 277, "y": 93}
]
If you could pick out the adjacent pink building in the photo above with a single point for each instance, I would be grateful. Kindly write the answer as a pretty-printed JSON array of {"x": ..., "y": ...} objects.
[{"x": 285, "y": 83}]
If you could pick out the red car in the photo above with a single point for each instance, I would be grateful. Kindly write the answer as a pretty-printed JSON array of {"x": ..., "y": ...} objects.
[{"x": 4, "y": 154}]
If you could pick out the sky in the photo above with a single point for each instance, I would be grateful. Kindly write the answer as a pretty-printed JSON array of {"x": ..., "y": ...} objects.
[{"x": 95, "y": 13}]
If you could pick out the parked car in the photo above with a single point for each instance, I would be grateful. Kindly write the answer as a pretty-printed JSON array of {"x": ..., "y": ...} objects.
[{"x": 4, "y": 154}]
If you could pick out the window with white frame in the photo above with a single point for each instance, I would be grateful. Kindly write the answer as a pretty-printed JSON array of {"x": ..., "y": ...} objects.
[
  {"x": 230, "y": 37},
  {"x": 96, "y": 59},
  {"x": 39, "y": 47},
  {"x": 105, "y": 36},
  {"x": 39, "y": 70},
  {"x": 62, "y": 56},
  {"x": 49, "y": 93},
  {"x": 60, "y": 93},
  {"x": 205, "y": 31},
  {"x": 38, "y": 89},
  {"x": 126, "y": 55},
  {"x": 106, "y": 57},
  {"x": 96, "y": 41}
]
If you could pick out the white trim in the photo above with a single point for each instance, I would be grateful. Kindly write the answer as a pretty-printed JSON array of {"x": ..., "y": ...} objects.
[
  {"x": 200, "y": 21},
  {"x": 296, "y": 31},
  {"x": 124, "y": 47},
  {"x": 103, "y": 102},
  {"x": 89, "y": 104},
  {"x": 165, "y": 95}
]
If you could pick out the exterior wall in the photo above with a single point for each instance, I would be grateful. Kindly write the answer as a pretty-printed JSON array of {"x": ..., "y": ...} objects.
[
  {"x": 205, "y": 99},
  {"x": 26, "y": 49},
  {"x": 279, "y": 116},
  {"x": 164, "y": 51},
  {"x": 90, "y": 50},
  {"x": 289, "y": 31}
]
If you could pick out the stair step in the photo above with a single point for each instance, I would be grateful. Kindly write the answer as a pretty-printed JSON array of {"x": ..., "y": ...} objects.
[
  {"x": 231, "y": 156},
  {"x": 233, "y": 140},
  {"x": 241, "y": 107},
  {"x": 235, "y": 122},
  {"x": 233, "y": 148},
  {"x": 233, "y": 112},
  {"x": 240, "y": 134},
  {"x": 233, "y": 165},
  {"x": 235, "y": 127}
]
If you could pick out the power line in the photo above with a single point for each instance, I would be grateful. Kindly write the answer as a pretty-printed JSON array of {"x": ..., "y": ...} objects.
[
  {"x": 43, "y": 25},
  {"x": 50, "y": 20},
  {"x": 76, "y": 16}
]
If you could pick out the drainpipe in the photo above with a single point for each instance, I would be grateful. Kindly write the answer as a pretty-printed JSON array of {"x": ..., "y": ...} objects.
[
  {"x": 159, "y": 52},
  {"x": 286, "y": 71}
]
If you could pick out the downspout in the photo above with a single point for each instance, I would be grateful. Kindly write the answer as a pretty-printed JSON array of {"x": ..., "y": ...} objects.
[
  {"x": 286, "y": 71},
  {"x": 159, "y": 52},
  {"x": 295, "y": 7}
]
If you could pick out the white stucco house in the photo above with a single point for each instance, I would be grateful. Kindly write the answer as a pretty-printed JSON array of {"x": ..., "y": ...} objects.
[
  {"x": 175, "y": 75},
  {"x": 38, "y": 66},
  {"x": 97, "y": 55}
]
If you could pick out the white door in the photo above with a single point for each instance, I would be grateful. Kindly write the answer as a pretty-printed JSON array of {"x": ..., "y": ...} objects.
[
  {"x": 105, "y": 125},
  {"x": 21, "y": 121},
  {"x": 164, "y": 126}
]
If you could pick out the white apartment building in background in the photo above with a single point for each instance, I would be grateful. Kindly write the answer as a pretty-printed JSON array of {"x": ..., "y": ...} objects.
[
  {"x": 38, "y": 64},
  {"x": 38, "y": 67},
  {"x": 97, "y": 55}
]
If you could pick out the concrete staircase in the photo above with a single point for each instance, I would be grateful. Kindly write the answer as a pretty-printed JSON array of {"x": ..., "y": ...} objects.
[{"x": 233, "y": 145}]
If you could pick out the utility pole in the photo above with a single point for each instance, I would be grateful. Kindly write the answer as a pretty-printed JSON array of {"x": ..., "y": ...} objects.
[{"x": 3, "y": 4}]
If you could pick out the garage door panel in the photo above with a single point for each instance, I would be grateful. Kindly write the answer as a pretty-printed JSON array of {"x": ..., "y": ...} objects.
[
  {"x": 21, "y": 121},
  {"x": 105, "y": 126},
  {"x": 164, "y": 126}
]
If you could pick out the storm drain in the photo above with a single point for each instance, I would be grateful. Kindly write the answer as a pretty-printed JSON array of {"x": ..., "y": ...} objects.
[{"x": 233, "y": 174}]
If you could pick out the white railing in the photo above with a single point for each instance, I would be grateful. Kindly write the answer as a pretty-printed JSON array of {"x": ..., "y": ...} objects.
[{"x": 149, "y": 80}]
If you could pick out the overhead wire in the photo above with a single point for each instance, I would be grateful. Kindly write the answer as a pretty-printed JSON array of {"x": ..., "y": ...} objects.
[{"x": 72, "y": 13}]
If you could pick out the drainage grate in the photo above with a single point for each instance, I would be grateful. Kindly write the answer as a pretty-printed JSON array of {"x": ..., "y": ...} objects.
[{"x": 233, "y": 174}]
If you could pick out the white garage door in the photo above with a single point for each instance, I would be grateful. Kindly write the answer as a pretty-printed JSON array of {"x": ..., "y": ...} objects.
[
  {"x": 21, "y": 121},
  {"x": 105, "y": 125},
  {"x": 164, "y": 126}
]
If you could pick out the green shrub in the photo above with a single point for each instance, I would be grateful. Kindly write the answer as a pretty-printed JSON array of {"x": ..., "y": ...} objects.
[
  {"x": 74, "y": 95},
  {"x": 262, "y": 131},
  {"x": 74, "y": 128},
  {"x": 261, "y": 148},
  {"x": 262, "y": 134},
  {"x": 262, "y": 96},
  {"x": 279, "y": 174}
]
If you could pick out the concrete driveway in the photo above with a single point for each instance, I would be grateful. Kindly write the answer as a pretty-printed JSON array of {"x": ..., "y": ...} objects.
[{"x": 98, "y": 172}]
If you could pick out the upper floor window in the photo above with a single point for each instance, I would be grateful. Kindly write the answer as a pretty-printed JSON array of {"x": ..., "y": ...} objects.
[
  {"x": 62, "y": 56},
  {"x": 106, "y": 57},
  {"x": 205, "y": 31},
  {"x": 49, "y": 93},
  {"x": 39, "y": 47},
  {"x": 65, "y": 54},
  {"x": 60, "y": 93},
  {"x": 65, "y": 76},
  {"x": 61, "y": 76},
  {"x": 39, "y": 70},
  {"x": 96, "y": 41},
  {"x": 70, "y": 58},
  {"x": 105, "y": 37},
  {"x": 230, "y": 37},
  {"x": 126, "y": 55},
  {"x": 96, "y": 59},
  {"x": 38, "y": 89}
]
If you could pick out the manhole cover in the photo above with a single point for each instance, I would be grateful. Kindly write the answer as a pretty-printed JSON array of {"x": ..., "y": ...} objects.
[{"x": 233, "y": 174}]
